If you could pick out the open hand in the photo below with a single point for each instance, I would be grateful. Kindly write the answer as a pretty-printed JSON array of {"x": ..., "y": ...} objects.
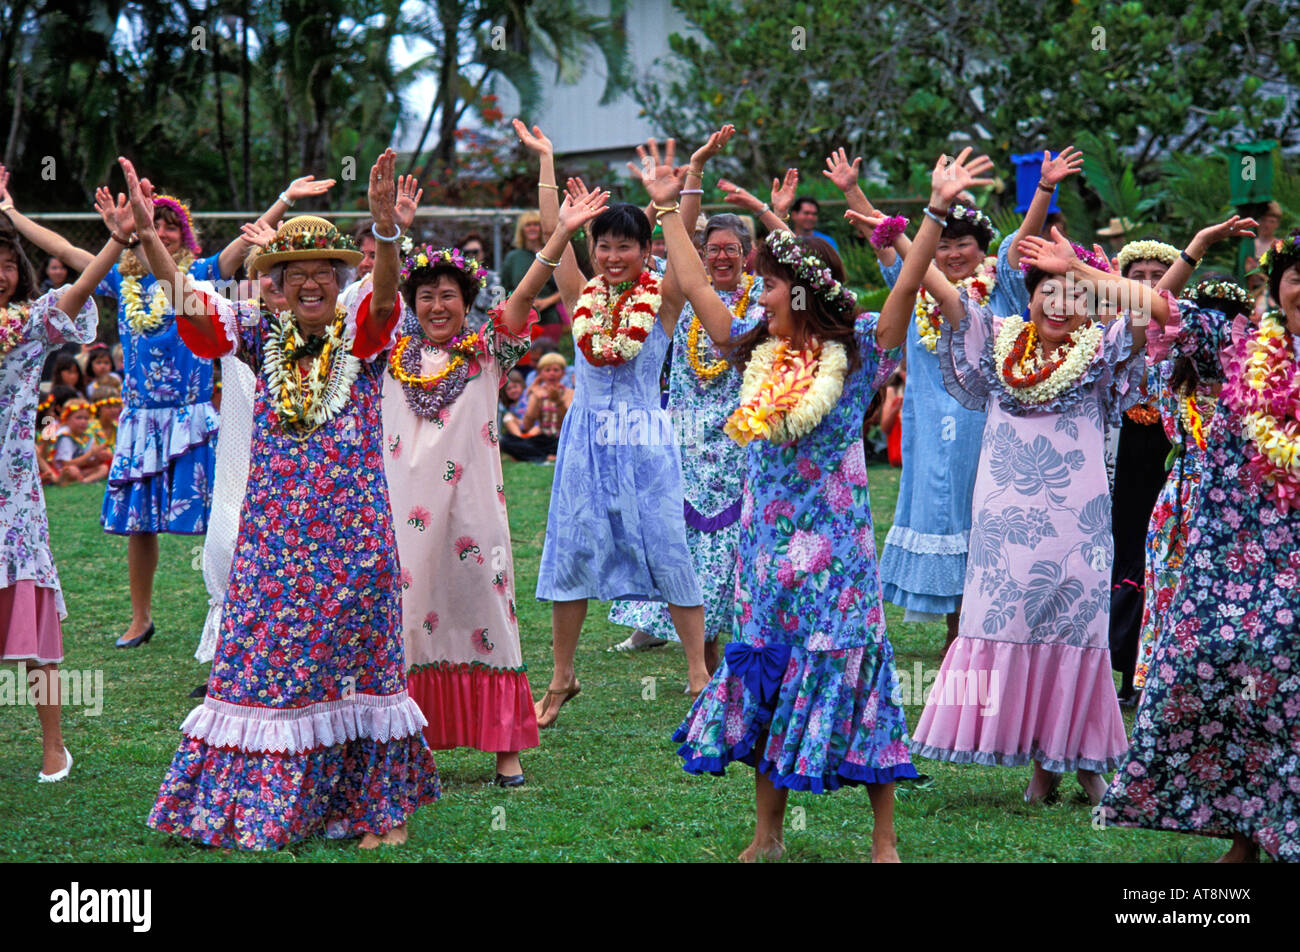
[
  {"x": 118, "y": 216},
  {"x": 307, "y": 186},
  {"x": 141, "y": 203},
  {"x": 1056, "y": 256},
  {"x": 573, "y": 215},
  {"x": 534, "y": 141},
  {"x": 258, "y": 233},
  {"x": 783, "y": 192},
  {"x": 735, "y": 195},
  {"x": 1234, "y": 227},
  {"x": 576, "y": 189},
  {"x": 841, "y": 171},
  {"x": 1054, "y": 171},
  {"x": 864, "y": 224},
  {"x": 5, "y": 198},
  {"x": 661, "y": 179},
  {"x": 717, "y": 141},
  {"x": 952, "y": 177},
  {"x": 409, "y": 194}
]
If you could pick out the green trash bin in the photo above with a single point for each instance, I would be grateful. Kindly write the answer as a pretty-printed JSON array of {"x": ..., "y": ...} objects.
[{"x": 1250, "y": 172}]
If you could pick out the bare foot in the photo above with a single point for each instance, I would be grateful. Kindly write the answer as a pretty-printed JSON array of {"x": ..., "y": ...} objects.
[
  {"x": 1242, "y": 851},
  {"x": 1094, "y": 785},
  {"x": 757, "y": 853},
  {"x": 1042, "y": 786},
  {"x": 395, "y": 837},
  {"x": 369, "y": 842}
]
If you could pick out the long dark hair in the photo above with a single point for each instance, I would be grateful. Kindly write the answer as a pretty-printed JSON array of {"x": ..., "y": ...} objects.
[
  {"x": 64, "y": 362},
  {"x": 818, "y": 319},
  {"x": 27, "y": 285}
]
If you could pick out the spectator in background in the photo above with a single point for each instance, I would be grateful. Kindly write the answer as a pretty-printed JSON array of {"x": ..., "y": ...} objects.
[
  {"x": 472, "y": 246},
  {"x": 55, "y": 274},
  {"x": 76, "y": 457},
  {"x": 528, "y": 241},
  {"x": 100, "y": 377},
  {"x": 803, "y": 220},
  {"x": 1270, "y": 219},
  {"x": 365, "y": 240},
  {"x": 103, "y": 428},
  {"x": 514, "y": 439},
  {"x": 68, "y": 373},
  {"x": 548, "y": 401}
]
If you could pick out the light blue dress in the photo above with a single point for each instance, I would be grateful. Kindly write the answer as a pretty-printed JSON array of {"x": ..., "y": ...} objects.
[
  {"x": 615, "y": 527},
  {"x": 923, "y": 564}
]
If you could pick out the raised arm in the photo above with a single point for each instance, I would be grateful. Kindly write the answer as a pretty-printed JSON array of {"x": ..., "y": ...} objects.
[
  {"x": 1059, "y": 257},
  {"x": 947, "y": 181},
  {"x": 693, "y": 193},
  {"x": 232, "y": 256},
  {"x": 1052, "y": 173},
  {"x": 1176, "y": 278},
  {"x": 192, "y": 310},
  {"x": 765, "y": 213},
  {"x": 664, "y": 186},
  {"x": 844, "y": 174},
  {"x": 52, "y": 243},
  {"x": 74, "y": 299},
  {"x": 569, "y": 280},
  {"x": 571, "y": 216},
  {"x": 382, "y": 193}
]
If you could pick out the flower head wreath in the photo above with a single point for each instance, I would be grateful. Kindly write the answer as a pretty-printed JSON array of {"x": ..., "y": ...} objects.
[
  {"x": 811, "y": 269},
  {"x": 427, "y": 257},
  {"x": 1222, "y": 296},
  {"x": 1145, "y": 251},
  {"x": 1283, "y": 253},
  {"x": 972, "y": 216},
  {"x": 182, "y": 211}
]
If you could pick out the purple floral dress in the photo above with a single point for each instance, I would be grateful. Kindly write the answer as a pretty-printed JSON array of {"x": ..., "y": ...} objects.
[
  {"x": 1216, "y": 749},
  {"x": 307, "y": 727},
  {"x": 809, "y": 663}
]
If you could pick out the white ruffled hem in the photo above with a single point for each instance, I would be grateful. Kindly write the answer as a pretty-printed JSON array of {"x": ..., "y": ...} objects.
[
  {"x": 150, "y": 439},
  {"x": 296, "y": 730},
  {"x": 925, "y": 543}
]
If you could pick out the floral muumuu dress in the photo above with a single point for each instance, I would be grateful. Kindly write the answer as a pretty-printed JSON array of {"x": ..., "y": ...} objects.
[
  {"x": 307, "y": 726},
  {"x": 1216, "y": 749},
  {"x": 809, "y": 663}
]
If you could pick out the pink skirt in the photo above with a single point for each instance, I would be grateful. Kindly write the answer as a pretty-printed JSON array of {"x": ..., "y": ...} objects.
[
  {"x": 1003, "y": 703},
  {"x": 29, "y": 624}
]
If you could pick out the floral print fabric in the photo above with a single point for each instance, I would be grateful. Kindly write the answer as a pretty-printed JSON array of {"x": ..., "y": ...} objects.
[
  {"x": 806, "y": 584},
  {"x": 1214, "y": 749}
]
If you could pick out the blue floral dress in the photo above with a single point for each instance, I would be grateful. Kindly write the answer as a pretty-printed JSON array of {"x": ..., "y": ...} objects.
[
  {"x": 161, "y": 477},
  {"x": 809, "y": 663},
  {"x": 1215, "y": 746},
  {"x": 307, "y": 726},
  {"x": 614, "y": 528},
  {"x": 923, "y": 563},
  {"x": 713, "y": 471}
]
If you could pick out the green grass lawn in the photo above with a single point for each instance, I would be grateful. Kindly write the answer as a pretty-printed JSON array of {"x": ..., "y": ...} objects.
[{"x": 606, "y": 784}]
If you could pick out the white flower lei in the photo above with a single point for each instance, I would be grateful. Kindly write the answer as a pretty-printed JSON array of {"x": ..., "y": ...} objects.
[
  {"x": 325, "y": 394},
  {"x": 927, "y": 309},
  {"x": 137, "y": 318},
  {"x": 592, "y": 320},
  {"x": 817, "y": 401},
  {"x": 1087, "y": 340},
  {"x": 13, "y": 323}
]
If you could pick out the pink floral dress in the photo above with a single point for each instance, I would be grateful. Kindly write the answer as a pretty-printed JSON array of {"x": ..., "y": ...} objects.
[{"x": 307, "y": 727}]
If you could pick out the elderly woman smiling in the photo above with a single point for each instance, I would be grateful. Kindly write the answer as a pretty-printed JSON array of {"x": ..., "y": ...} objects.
[{"x": 307, "y": 726}]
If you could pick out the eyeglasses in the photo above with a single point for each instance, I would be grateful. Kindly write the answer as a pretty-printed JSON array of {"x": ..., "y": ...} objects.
[
  {"x": 715, "y": 251},
  {"x": 296, "y": 279}
]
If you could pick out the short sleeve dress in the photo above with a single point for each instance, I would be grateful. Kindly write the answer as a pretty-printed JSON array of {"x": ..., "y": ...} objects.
[
  {"x": 307, "y": 727},
  {"x": 464, "y": 664},
  {"x": 161, "y": 477},
  {"x": 809, "y": 662},
  {"x": 31, "y": 601},
  {"x": 1028, "y": 676}
]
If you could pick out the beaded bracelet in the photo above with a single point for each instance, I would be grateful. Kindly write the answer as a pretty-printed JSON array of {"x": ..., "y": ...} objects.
[{"x": 884, "y": 234}]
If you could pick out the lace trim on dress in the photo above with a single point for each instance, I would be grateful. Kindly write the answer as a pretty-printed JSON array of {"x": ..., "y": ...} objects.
[
  {"x": 298, "y": 729},
  {"x": 926, "y": 543}
]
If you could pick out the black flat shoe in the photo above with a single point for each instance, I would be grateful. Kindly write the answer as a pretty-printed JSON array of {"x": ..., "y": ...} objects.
[
  {"x": 200, "y": 691},
  {"x": 137, "y": 641},
  {"x": 515, "y": 781}
]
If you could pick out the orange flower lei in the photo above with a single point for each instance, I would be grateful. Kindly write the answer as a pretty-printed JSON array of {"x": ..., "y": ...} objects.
[
  {"x": 1193, "y": 420},
  {"x": 706, "y": 374},
  {"x": 461, "y": 351}
]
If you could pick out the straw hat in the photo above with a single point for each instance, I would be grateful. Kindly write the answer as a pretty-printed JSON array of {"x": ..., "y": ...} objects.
[
  {"x": 304, "y": 238},
  {"x": 1116, "y": 227}
]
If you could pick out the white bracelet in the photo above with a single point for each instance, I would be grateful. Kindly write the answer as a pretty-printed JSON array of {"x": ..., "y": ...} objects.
[
  {"x": 374, "y": 230},
  {"x": 765, "y": 209},
  {"x": 691, "y": 191},
  {"x": 284, "y": 197}
]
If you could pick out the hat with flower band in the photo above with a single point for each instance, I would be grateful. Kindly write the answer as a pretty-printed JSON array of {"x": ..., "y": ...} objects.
[{"x": 307, "y": 238}]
